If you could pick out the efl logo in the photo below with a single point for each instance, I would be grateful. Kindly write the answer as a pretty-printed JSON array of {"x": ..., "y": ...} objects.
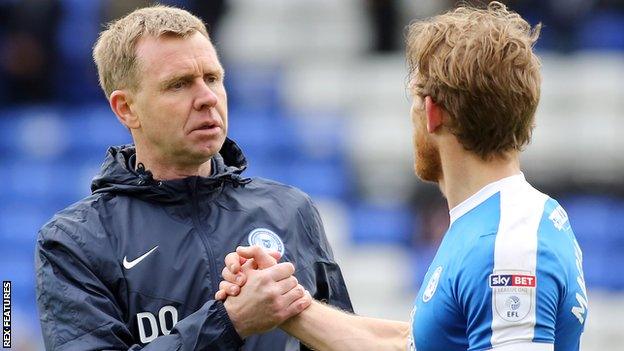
[{"x": 527, "y": 281}]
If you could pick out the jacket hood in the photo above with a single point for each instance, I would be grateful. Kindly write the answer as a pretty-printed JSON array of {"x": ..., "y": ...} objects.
[{"x": 118, "y": 175}]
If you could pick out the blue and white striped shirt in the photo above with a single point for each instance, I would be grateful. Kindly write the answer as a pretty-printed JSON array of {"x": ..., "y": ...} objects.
[{"x": 509, "y": 270}]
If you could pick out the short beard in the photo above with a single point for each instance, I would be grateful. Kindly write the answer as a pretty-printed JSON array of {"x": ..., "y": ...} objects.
[{"x": 427, "y": 163}]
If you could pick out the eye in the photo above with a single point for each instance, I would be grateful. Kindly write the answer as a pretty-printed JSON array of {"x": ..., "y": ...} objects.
[
  {"x": 178, "y": 85},
  {"x": 211, "y": 78}
]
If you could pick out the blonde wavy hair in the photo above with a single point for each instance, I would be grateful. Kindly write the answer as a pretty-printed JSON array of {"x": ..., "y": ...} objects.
[
  {"x": 478, "y": 64},
  {"x": 115, "y": 50}
]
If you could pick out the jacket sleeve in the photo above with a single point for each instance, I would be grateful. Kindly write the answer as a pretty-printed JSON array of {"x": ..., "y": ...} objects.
[
  {"x": 330, "y": 285},
  {"x": 327, "y": 281},
  {"x": 79, "y": 311}
]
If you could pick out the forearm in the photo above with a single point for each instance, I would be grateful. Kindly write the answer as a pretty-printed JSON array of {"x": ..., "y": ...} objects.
[{"x": 326, "y": 329}]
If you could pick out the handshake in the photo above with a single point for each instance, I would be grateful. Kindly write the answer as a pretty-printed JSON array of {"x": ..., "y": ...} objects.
[{"x": 260, "y": 294}]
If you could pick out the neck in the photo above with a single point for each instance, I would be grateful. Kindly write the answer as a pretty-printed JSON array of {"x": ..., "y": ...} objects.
[
  {"x": 464, "y": 174},
  {"x": 163, "y": 168}
]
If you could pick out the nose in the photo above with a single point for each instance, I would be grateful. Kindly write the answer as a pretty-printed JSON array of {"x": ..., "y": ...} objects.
[{"x": 206, "y": 97}]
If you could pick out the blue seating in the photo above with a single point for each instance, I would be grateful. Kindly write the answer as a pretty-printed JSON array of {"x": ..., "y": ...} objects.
[
  {"x": 268, "y": 137},
  {"x": 319, "y": 179},
  {"x": 382, "y": 224},
  {"x": 590, "y": 218},
  {"x": 48, "y": 133},
  {"x": 321, "y": 136},
  {"x": 19, "y": 225},
  {"x": 9, "y": 139},
  {"x": 18, "y": 267},
  {"x": 613, "y": 259},
  {"x": 599, "y": 228},
  {"x": 35, "y": 181},
  {"x": 603, "y": 31},
  {"x": 31, "y": 132},
  {"x": 254, "y": 87},
  {"x": 257, "y": 132},
  {"x": 92, "y": 129},
  {"x": 78, "y": 29}
]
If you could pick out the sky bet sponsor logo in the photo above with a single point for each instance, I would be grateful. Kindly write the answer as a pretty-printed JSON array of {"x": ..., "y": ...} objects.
[{"x": 498, "y": 280}]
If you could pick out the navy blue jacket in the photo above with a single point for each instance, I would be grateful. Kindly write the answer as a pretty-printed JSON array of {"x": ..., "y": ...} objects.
[{"x": 136, "y": 264}]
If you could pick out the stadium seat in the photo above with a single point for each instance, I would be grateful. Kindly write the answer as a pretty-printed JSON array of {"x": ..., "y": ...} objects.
[
  {"x": 46, "y": 181},
  {"x": 9, "y": 140},
  {"x": 19, "y": 269},
  {"x": 319, "y": 179},
  {"x": 254, "y": 87},
  {"x": 19, "y": 225},
  {"x": 92, "y": 129},
  {"x": 603, "y": 31},
  {"x": 321, "y": 135},
  {"x": 382, "y": 224},
  {"x": 33, "y": 132},
  {"x": 590, "y": 217},
  {"x": 599, "y": 228},
  {"x": 78, "y": 30}
]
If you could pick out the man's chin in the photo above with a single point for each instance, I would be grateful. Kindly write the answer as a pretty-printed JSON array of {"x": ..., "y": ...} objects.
[
  {"x": 426, "y": 175},
  {"x": 198, "y": 154},
  {"x": 207, "y": 153},
  {"x": 428, "y": 169},
  {"x": 209, "y": 148}
]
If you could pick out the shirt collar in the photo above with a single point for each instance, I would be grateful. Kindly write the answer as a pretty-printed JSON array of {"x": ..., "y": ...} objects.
[{"x": 485, "y": 193}]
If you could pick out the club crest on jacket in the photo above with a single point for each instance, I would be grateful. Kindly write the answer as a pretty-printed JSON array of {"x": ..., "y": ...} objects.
[{"x": 267, "y": 239}]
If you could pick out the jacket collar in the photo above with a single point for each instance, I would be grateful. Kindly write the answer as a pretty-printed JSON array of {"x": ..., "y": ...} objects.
[{"x": 118, "y": 175}]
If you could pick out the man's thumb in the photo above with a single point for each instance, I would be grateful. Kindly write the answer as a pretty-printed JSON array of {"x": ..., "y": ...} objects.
[{"x": 262, "y": 257}]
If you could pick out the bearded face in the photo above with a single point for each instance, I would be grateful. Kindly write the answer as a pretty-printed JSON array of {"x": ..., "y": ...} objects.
[{"x": 427, "y": 164}]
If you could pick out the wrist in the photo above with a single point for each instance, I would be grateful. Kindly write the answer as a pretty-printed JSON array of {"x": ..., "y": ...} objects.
[{"x": 233, "y": 314}]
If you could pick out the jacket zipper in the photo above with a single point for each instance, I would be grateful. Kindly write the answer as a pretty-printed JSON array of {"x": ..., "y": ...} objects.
[{"x": 203, "y": 236}]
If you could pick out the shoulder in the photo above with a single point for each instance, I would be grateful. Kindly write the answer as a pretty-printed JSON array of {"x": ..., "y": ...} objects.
[
  {"x": 533, "y": 210},
  {"x": 507, "y": 239},
  {"x": 521, "y": 214},
  {"x": 549, "y": 226},
  {"x": 558, "y": 253},
  {"x": 281, "y": 194},
  {"x": 555, "y": 218},
  {"x": 79, "y": 235},
  {"x": 522, "y": 204},
  {"x": 80, "y": 229},
  {"x": 292, "y": 201},
  {"x": 296, "y": 205},
  {"x": 79, "y": 215}
]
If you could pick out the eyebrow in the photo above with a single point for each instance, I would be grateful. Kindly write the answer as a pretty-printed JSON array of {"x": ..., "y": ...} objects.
[
  {"x": 177, "y": 78},
  {"x": 189, "y": 77}
]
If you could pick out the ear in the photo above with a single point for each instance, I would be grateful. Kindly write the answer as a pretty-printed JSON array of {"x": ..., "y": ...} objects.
[
  {"x": 120, "y": 102},
  {"x": 434, "y": 115}
]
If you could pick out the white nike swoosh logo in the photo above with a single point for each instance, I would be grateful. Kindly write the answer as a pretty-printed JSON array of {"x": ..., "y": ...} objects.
[{"x": 129, "y": 264}]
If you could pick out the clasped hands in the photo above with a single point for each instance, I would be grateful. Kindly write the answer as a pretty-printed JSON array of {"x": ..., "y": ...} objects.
[{"x": 259, "y": 294}]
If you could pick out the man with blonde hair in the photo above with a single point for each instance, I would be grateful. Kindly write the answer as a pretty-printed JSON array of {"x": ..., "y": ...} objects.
[
  {"x": 508, "y": 273},
  {"x": 136, "y": 264}
]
